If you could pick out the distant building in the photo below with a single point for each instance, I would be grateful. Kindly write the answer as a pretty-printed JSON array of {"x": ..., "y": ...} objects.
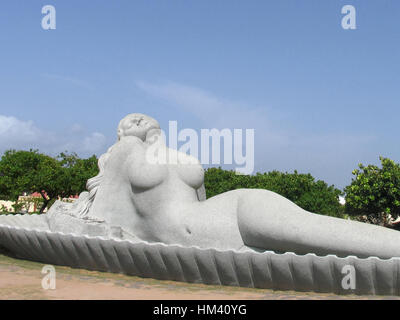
[
  {"x": 6, "y": 205},
  {"x": 30, "y": 203}
]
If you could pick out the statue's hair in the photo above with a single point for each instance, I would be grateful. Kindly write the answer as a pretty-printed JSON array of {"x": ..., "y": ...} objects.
[{"x": 92, "y": 186}]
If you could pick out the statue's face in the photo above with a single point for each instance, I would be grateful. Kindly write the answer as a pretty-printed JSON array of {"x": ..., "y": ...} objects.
[{"x": 136, "y": 124}]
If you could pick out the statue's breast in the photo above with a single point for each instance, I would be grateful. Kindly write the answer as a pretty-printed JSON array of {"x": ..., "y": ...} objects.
[
  {"x": 190, "y": 170},
  {"x": 148, "y": 166},
  {"x": 142, "y": 173}
]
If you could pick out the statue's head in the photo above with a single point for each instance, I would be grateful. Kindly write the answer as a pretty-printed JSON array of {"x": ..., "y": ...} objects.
[{"x": 138, "y": 125}]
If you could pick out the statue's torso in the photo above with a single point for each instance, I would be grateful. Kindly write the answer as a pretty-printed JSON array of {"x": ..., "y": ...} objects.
[{"x": 158, "y": 201}]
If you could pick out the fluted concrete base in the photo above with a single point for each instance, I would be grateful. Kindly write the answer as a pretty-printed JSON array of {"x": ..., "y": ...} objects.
[{"x": 270, "y": 270}]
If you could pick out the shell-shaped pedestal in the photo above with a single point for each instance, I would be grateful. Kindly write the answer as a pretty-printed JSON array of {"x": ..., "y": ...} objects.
[{"x": 270, "y": 270}]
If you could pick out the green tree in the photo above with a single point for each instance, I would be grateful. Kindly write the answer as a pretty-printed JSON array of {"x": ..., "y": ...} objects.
[
  {"x": 78, "y": 171},
  {"x": 16, "y": 171},
  {"x": 31, "y": 171},
  {"x": 374, "y": 190},
  {"x": 302, "y": 189}
]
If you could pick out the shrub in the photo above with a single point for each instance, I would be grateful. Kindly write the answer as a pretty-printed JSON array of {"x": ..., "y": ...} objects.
[
  {"x": 302, "y": 189},
  {"x": 375, "y": 191}
]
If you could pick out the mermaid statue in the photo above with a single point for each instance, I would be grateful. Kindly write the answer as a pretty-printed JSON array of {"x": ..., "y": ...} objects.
[
  {"x": 146, "y": 214},
  {"x": 148, "y": 192}
]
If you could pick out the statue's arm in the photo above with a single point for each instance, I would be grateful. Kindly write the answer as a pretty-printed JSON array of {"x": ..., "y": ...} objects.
[{"x": 201, "y": 193}]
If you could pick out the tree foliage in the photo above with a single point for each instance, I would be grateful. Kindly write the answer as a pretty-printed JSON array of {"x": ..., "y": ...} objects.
[
  {"x": 31, "y": 171},
  {"x": 302, "y": 189},
  {"x": 374, "y": 190}
]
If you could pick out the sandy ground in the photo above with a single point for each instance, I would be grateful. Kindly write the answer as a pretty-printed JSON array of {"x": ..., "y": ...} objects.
[{"x": 20, "y": 279}]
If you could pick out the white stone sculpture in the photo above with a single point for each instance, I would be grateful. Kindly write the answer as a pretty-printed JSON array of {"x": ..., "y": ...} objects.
[
  {"x": 148, "y": 196},
  {"x": 150, "y": 192}
]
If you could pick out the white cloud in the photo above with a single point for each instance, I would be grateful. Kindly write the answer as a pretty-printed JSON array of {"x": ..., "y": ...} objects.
[
  {"x": 94, "y": 142},
  {"x": 15, "y": 133},
  {"x": 77, "y": 128},
  {"x": 210, "y": 109},
  {"x": 71, "y": 80},
  {"x": 15, "y": 130},
  {"x": 22, "y": 134}
]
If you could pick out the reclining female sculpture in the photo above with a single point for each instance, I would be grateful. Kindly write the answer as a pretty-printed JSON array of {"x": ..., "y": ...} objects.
[
  {"x": 157, "y": 201},
  {"x": 145, "y": 214}
]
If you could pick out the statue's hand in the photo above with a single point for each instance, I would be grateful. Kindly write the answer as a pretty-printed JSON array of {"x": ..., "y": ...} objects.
[{"x": 153, "y": 136}]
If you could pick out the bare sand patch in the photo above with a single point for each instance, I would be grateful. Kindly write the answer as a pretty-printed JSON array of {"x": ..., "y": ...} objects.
[{"x": 21, "y": 279}]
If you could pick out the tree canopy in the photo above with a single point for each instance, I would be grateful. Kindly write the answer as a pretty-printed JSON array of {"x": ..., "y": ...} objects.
[
  {"x": 31, "y": 171},
  {"x": 374, "y": 190},
  {"x": 302, "y": 189}
]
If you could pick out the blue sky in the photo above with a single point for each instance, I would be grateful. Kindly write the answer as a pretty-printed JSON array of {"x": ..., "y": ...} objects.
[{"x": 320, "y": 98}]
